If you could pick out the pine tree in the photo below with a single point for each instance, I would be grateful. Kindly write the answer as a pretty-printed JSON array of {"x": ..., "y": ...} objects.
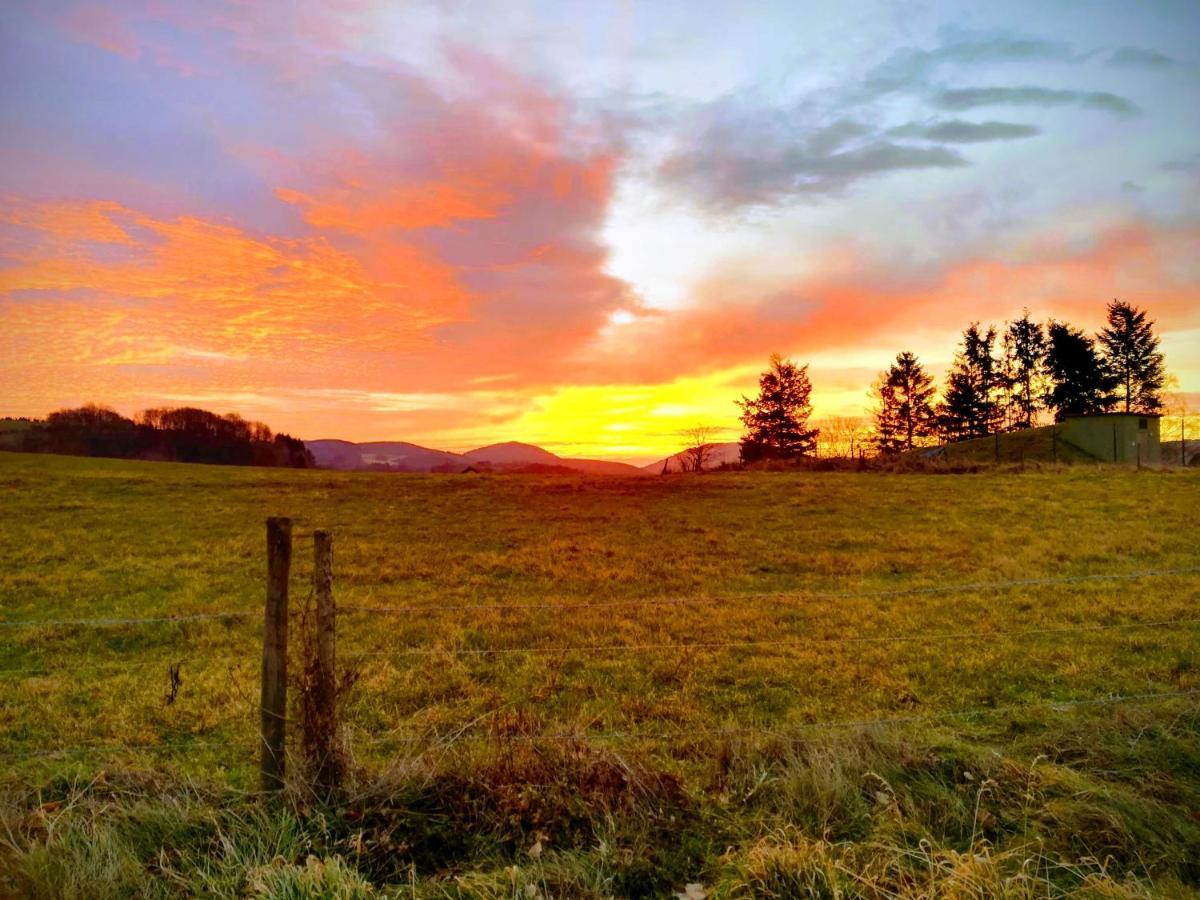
[
  {"x": 887, "y": 418},
  {"x": 1023, "y": 372},
  {"x": 1132, "y": 358},
  {"x": 904, "y": 414},
  {"x": 969, "y": 408},
  {"x": 1079, "y": 382},
  {"x": 776, "y": 421}
]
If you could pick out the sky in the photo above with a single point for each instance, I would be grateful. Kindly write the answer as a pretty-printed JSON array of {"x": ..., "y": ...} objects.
[{"x": 583, "y": 225}]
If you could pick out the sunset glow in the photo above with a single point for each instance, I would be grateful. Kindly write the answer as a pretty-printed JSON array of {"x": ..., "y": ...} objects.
[{"x": 582, "y": 226}]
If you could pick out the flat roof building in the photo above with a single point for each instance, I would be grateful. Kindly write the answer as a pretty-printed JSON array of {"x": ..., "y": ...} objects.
[{"x": 1131, "y": 438}]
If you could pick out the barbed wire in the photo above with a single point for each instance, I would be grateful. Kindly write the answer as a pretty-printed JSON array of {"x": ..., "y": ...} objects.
[
  {"x": 694, "y": 600},
  {"x": 837, "y": 724},
  {"x": 121, "y": 666},
  {"x": 107, "y": 623},
  {"x": 929, "y": 637},
  {"x": 785, "y": 734},
  {"x": 966, "y": 587},
  {"x": 789, "y": 642}
]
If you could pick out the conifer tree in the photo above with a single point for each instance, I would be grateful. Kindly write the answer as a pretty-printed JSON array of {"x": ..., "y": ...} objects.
[
  {"x": 904, "y": 414},
  {"x": 1132, "y": 358},
  {"x": 776, "y": 421},
  {"x": 970, "y": 408},
  {"x": 1079, "y": 381},
  {"x": 1023, "y": 372}
]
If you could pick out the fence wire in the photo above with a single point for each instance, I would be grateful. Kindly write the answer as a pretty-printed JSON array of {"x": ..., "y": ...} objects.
[
  {"x": 929, "y": 637},
  {"x": 966, "y": 587},
  {"x": 132, "y": 665},
  {"x": 696, "y": 600},
  {"x": 110, "y": 623},
  {"x": 786, "y": 734},
  {"x": 666, "y": 646},
  {"x": 791, "y": 733}
]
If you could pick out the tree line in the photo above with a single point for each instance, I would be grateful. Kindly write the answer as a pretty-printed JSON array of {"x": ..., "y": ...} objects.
[
  {"x": 183, "y": 434},
  {"x": 1000, "y": 380},
  {"x": 1007, "y": 380}
]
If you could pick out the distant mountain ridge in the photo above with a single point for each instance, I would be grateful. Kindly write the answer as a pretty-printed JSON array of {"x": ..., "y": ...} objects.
[
  {"x": 401, "y": 456},
  {"x": 510, "y": 452}
]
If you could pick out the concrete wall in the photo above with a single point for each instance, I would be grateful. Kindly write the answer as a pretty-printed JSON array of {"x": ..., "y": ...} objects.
[{"x": 1115, "y": 437}]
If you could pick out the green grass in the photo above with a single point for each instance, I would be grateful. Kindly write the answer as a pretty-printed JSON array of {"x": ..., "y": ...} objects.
[
  {"x": 1044, "y": 445},
  {"x": 690, "y": 766}
]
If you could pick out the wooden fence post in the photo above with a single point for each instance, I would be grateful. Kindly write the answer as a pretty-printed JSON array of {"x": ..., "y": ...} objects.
[
  {"x": 274, "y": 661},
  {"x": 323, "y": 742}
]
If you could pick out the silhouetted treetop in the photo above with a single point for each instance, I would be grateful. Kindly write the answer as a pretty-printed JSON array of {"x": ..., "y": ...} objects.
[
  {"x": 1079, "y": 382},
  {"x": 776, "y": 421},
  {"x": 184, "y": 434},
  {"x": 1132, "y": 358}
]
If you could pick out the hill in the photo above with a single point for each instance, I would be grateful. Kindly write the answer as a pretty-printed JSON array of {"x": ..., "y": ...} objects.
[
  {"x": 725, "y": 453},
  {"x": 395, "y": 455},
  {"x": 1043, "y": 444},
  {"x": 511, "y": 457},
  {"x": 511, "y": 452}
]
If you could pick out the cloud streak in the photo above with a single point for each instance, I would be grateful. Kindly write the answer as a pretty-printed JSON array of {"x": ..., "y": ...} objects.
[
  {"x": 1138, "y": 58},
  {"x": 912, "y": 67},
  {"x": 961, "y": 99},
  {"x": 738, "y": 157},
  {"x": 956, "y": 131}
]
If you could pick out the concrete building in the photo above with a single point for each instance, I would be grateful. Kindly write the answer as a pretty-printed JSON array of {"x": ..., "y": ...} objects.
[{"x": 1115, "y": 437}]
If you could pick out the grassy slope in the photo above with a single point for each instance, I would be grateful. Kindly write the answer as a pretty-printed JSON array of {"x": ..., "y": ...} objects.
[
  {"x": 894, "y": 806},
  {"x": 1029, "y": 445}
]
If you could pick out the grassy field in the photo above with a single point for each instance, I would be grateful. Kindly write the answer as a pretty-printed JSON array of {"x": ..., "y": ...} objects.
[{"x": 588, "y": 768}]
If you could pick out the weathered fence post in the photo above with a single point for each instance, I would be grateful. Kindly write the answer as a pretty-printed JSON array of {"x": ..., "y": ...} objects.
[
  {"x": 323, "y": 741},
  {"x": 274, "y": 662}
]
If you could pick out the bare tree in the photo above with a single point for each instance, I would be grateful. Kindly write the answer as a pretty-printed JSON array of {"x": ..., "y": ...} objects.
[
  {"x": 842, "y": 436},
  {"x": 1180, "y": 421},
  {"x": 699, "y": 443}
]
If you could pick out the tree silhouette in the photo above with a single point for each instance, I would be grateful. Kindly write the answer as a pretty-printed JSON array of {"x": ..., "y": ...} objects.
[
  {"x": 1079, "y": 382},
  {"x": 698, "y": 447},
  {"x": 1023, "y": 372},
  {"x": 969, "y": 408},
  {"x": 776, "y": 421},
  {"x": 1132, "y": 358},
  {"x": 185, "y": 434},
  {"x": 841, "y": 437},
  {"x": 904, "y": 413}
]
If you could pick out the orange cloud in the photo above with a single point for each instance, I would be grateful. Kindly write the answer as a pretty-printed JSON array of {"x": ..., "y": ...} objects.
[
  {"x": 210, "y": 287},
  {"x": 408, "y": 207},
  {"x": 871, "y": 314}
]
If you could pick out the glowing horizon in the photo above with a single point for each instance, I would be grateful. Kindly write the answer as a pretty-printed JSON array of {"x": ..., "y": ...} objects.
[{"x": 579, "y": 229}]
